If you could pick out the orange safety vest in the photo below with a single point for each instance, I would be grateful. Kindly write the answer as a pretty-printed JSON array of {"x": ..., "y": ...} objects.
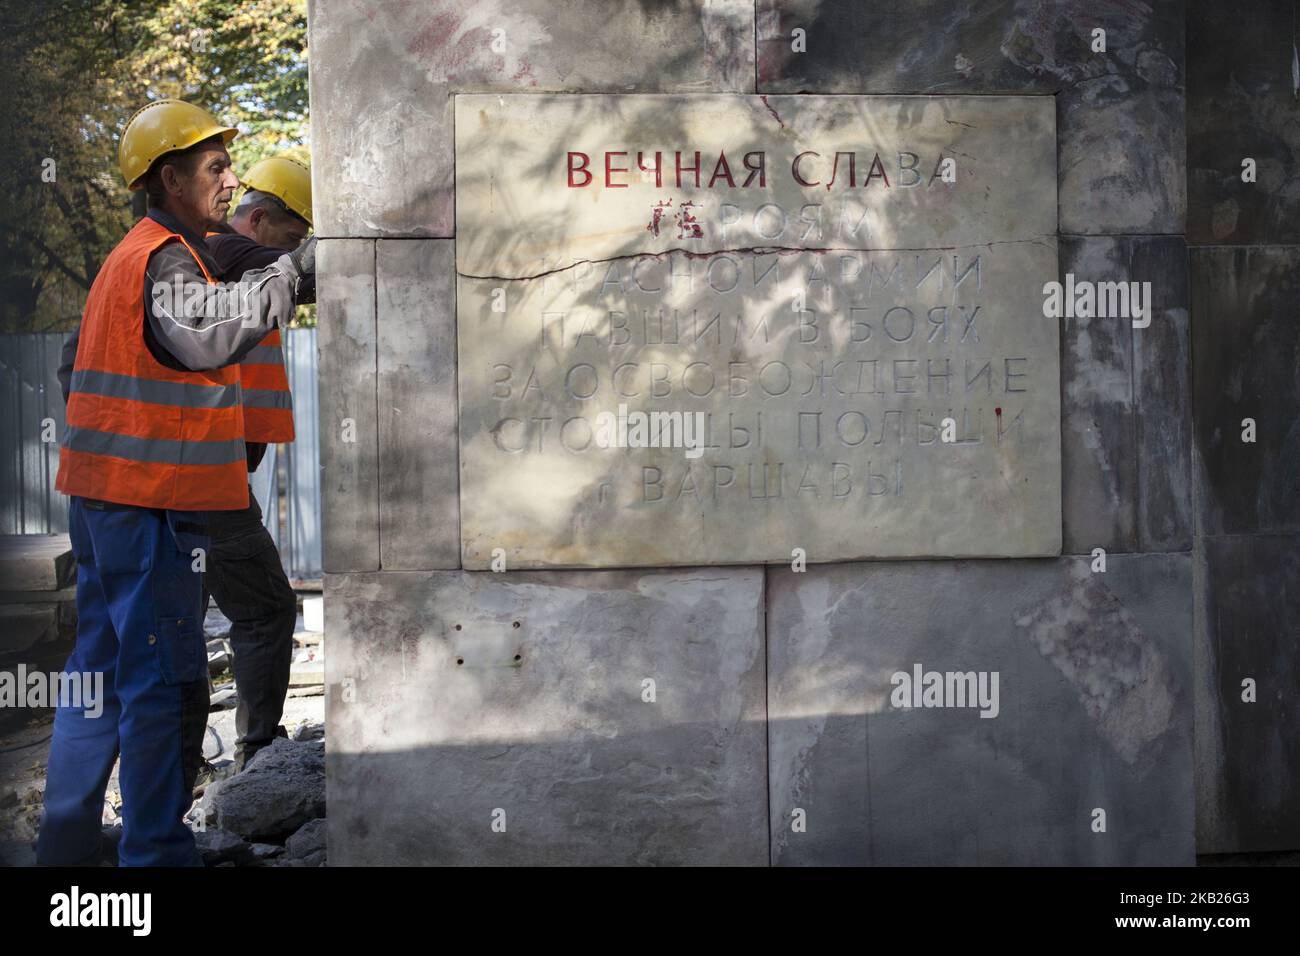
[
  {"x": 139, "y": 433},
  {"x": 268, "y": 403}
]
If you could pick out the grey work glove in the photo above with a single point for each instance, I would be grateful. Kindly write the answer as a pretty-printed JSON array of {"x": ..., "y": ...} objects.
[{"x": 304, "y": 257}]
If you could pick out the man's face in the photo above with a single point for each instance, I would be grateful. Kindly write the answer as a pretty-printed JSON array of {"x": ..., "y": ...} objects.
[
  {"x": 281, "y": 231},
  {"x": 205, "y": 192}
]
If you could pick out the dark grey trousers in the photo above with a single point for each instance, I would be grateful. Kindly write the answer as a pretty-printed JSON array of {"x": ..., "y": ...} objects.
[{"x": 248, "y": 582}]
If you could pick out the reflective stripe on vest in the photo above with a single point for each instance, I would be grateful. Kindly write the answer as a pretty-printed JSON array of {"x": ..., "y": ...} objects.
[
  {"x": 139, "y": 433},
  {"x": 265, "y": 398},
  {"x": 265, "y": 355},
  {"x": 184, "y": 394},
  {"x": 155, "y": 449}
]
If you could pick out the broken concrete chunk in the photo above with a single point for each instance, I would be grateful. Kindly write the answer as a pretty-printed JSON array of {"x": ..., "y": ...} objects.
[
  {"x": 280, "y": 789},
  {"x": 308, "y": 844}
]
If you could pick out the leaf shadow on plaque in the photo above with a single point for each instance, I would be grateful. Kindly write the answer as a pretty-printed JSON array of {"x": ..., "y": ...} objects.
[{"x": 599, "y": 313}]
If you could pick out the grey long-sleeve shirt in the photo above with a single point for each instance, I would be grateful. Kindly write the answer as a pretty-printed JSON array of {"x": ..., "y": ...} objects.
[{"x": 209, "y": 325}]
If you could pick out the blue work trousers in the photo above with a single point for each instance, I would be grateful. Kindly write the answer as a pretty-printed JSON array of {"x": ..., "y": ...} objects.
[{"x": 140, "y": 624}]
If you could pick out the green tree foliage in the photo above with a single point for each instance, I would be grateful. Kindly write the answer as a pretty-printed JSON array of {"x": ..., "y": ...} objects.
[{"x": 75, "y": 71}]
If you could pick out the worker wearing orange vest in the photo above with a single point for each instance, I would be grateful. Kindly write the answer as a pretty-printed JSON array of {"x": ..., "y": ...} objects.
[
  {"x": 154, "y": 441},
  {"x": 246, "y": 576}
]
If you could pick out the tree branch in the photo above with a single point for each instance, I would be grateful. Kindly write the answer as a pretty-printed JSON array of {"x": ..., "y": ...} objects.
[{"x": 55, "y": 259}]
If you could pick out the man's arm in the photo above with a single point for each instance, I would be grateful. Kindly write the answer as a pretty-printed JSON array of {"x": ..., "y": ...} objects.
[
  {"x": 236, "y": 254},
  {"x": 214, "y": 325}
]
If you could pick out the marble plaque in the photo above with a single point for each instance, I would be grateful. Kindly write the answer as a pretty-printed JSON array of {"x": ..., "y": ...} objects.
[{"x": 716, "y": 329}]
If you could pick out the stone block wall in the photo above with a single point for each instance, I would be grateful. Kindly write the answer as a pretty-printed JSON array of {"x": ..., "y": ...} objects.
[
  {"x": 1245, "y": 310},
  {"x": 501, "y": 718}
]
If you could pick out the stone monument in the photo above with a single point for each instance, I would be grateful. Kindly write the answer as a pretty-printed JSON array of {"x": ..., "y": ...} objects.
[{"x": 687, "y": 393}]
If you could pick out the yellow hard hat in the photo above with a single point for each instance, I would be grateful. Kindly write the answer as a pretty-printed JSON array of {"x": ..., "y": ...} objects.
[
  {"x": 159, "y": 128},
  {"x": 286, "y": 179}
]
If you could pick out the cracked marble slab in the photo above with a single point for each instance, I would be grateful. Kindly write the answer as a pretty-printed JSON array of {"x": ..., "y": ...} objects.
[{"x": 818, "y": 338}]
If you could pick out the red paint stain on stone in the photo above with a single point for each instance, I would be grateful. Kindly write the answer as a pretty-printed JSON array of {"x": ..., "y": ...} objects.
[
  {"x": 525, "y": 70},
  {"x": 433, "y": 39},
  {"x": 656, "y": 217}
]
